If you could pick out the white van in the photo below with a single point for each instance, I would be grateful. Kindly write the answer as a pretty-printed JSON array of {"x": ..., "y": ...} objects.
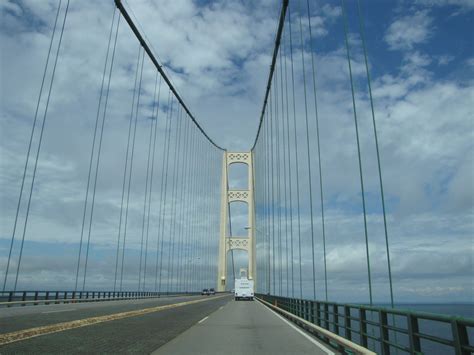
[{"x": 243, "y": 289}]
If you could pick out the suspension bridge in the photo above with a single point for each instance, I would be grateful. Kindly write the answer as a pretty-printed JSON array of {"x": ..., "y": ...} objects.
[{"x": 151, "y": 222}]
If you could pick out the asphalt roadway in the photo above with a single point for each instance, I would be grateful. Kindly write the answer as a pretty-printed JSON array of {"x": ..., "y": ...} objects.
[
  {"x": 243, "y": 327},
  {"x": 194, "y": 325}
]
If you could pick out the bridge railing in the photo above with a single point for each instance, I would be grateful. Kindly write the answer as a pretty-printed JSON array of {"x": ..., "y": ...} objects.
[
  {"x": 384, "y": 330},
  {"x": 23, "y": 298}
]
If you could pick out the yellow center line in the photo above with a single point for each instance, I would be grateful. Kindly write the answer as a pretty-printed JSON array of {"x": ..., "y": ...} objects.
[{"x": 12, "y": 337}]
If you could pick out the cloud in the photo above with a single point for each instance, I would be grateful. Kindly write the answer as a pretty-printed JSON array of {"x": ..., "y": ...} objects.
[
  {"x": 218, "y": 55},
  {"x": 463, "y": 5},
  {"x": 408, "y": 31}
]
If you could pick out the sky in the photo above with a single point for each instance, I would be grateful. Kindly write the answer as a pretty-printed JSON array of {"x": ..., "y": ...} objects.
[{"x": 218, "y": 54}]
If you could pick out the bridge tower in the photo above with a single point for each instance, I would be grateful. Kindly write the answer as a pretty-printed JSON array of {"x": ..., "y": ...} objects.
[{"x": 226, "y": 242}]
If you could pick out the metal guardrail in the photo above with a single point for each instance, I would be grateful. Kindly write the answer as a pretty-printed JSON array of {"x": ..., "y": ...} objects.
[
  {"x": 386, "y": 330},
  {"x": 23, "y": 298},
  {"x": 342, "y": 343}
]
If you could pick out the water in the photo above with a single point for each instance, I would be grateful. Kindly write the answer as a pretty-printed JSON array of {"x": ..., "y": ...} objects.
[
  {"x": 458, "y": 309},
  {"x": 438, "y": 329}
]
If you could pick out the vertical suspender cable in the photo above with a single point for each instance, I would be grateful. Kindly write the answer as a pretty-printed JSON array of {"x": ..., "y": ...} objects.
[
  {"x": 298, "y": 205},
  {"x": 101, "y": 135},
  {"x": 163, "y": 212},
  {"x": 290, "y": 196},
  {"x": 189, "y": 208},
  {"x": 192, "y": 230},
  {"x": 267, "y": 203},
  {"x": 145, "y": 199},
  {"x": 358, "y": 148},
  {"x": 272, "y": 193},
  {"x": 184, "y": 180},
  {"x": 177, "y": 149},
  {"x": 137, "y": 106},
  {"x": 124, "y": 182},
  {"x": 308, "y": 151},
  {"x": 163, "y": 173},
  {"x": 156, "y": 108},
  {"x": 264, "y": 203},
  {"x": 362, "y": 34},
  {"x": 182, "y": 235},
  {"x": 29, "y": 147},
  {"x": 316, "y": 116},
  {"x": 277, "y": 148},
  {"x": 39, "y": 146},
  {"x": 284, "y": 171}
]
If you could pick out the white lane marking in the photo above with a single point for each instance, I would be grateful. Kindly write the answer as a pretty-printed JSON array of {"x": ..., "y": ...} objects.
[
  {"x": 60, "y": 310},
  {"x": 202, "y": 320},
  {"x": 221, "y": 307},
  {"x": 319, "y": 345}
]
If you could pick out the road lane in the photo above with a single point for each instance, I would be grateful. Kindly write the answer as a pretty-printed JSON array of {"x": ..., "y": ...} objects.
[
  {"x": 18, "y": 318},
  {"x": 142, "y": 333},
  {"x": 243, "y": 328}
]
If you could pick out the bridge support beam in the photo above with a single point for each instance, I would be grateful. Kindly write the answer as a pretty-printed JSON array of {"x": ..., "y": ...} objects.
[{"x": 227, "y": 242}]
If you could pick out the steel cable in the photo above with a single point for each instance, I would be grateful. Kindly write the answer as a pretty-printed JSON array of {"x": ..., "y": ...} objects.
[
  {"x": 29, "y": 146},
  {"x": 358, "y": 148},
  {"x": 298, "y": 205},
  {"x": 156, "y": 108},
  {"x": 101, "y": 135},
  {"x": 308, "y": 152},
  {"x": 39, "y": 147},
  {"x": 137, "y": 106},
  {"x": 316, "y": 116},
  {"x": 124, "y": 181}
]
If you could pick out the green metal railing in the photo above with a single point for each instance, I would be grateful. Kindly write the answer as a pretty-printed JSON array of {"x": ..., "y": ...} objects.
[
  {"x": 385, "y": 330},
  {"x": 23, "y": 298}
]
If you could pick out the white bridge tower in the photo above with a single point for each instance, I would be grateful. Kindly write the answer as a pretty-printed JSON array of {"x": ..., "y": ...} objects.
[{"x": 246, "y": 242}]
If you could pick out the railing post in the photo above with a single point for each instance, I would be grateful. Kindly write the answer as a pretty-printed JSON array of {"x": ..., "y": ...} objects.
[
  {"x": 318, "y": 314},
  {"x": 23, "y": 298},
  {"x": 460, "y": 337},
  {"x": 347, "y": 322},
  {"x": 10, "y": 296},
  {"x": 336, "y": 318},
  {"x": 413, "y": 339},
  {"x": 363, "y": 327},
  {"x": 326, "y": 316},
  {"x": 383, "y": 322}
]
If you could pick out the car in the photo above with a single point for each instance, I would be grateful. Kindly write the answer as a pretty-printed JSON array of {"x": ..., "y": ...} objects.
[
  {"x": 205, "y": 292},
  {"x": 212, "y": 291}
]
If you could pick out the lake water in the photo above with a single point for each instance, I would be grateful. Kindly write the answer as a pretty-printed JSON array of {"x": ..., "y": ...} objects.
[{"x": 439, "y": 329}]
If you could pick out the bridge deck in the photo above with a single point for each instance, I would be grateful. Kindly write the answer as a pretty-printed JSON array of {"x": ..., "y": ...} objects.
[
  {"x": 243, "y": 328},
  {"x": 194, "y": 325}
]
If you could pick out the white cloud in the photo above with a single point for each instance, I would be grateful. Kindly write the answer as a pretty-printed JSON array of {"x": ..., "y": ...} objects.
[
  {"x": 463, "y": 5},
  {"x": 445, "y": 59},
  {"x": 219, "y": 56},
  {"x": 408, "y": 31}
]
